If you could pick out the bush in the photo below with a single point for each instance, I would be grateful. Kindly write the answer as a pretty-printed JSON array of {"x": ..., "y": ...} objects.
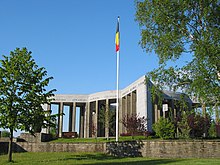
[
  {"x": 5, "y": 133},
  {"x": 134, "y": 124},
  {"x": 212, "y": 130},
  {"x": 183, "y": 126},
  {"x": 164, "y": 129},
  {"x": 199, "y": 125}
]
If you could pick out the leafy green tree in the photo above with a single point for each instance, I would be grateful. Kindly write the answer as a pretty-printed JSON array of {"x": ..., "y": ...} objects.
[
  {"x": 164, "y": 128},
  {"x": 173, "y": 29},
  {"x": 107, "y": 119},
  {"x": 183, "y": 126},
  {"x": 22, "y": 94},
  {"x": 212, "y": 130}
]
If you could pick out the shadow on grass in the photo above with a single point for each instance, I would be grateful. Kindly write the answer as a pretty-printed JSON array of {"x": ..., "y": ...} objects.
[
  {"x": 108, "y": 160},
  {"x": 125, "y": 148},
  {"x": 141, "y": 162},
  {"x": 97, "y": 156}
]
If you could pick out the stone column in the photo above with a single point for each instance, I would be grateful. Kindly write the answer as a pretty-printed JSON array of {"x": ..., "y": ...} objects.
[
  {"x": 155, "y": 113},
  {"x": 174, "y": 113},
  {"x": 158, "y": 114},
  {"x": 128, "y": 97},
  {"x": 70, "y": 118},
  {"x": 87, "y": 119},
  {"x": 164, "y": 114},
  {"x": 130, "y": 104},
  {"x": 107, "y": 118},
  {"x": 123, "y": 111},
  {"x": 73, "y": 116},
  {"x": 134, "y": 110},
  {"x": 126, "y": 111},
  {"x": 81, "y": 123},
  {"x": 96, "y": 116},
  {"x": 120, "y": 117},
  {"x": 49, "y": 113},
  {"x": 126, "y": 105},
  {"x": 60, "y": 121}
]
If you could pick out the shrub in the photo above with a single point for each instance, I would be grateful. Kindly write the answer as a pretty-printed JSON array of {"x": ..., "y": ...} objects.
[
  {"x": 5, "y": 133},
  {"x": 217, "y": 127},
  {"x": 164, "y": 128},
  {"x": 183, "y": 126},
  {"x": 212, "y": 130},
  {"x": 134, "y": 124},
  {"x": 198, "y": 124}
]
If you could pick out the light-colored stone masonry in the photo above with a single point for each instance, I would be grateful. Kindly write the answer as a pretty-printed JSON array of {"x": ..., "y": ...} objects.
[
  {"x": 133, "y": 99},
  {"x": 154, "y": 149}
]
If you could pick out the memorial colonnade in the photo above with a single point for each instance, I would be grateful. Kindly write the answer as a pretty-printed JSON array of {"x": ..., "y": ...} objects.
[{"x": 89, "y": 113}]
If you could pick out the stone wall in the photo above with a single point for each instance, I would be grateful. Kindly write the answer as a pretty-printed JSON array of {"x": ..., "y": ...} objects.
[
  {"x": 3, "y": 147},
  {"x": 181, "y": 149},
  {"x": 37, "y": 138},
  {"x": 166, "y": 149},
  {"x": 61, "y": 147},
  {"x": 154, "y": 149}
]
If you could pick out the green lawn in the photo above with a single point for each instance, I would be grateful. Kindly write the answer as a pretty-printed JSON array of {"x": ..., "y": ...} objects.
[
  {"x": 93, "y": 140},
  {"x": 95, "y": 158}
]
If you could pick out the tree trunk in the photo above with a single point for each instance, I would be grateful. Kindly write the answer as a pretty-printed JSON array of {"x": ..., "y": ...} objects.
[
  {"x": 216, "y": 115},
  {"x": 10, "y": 146},
  {"x": 204, "y": 115}
]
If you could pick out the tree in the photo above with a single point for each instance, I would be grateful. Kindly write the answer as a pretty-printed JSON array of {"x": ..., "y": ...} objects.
[
  {"x": 22, "y": 94},
  {"x": 198, "y": 125},
  {"x": 183, "y": 126},
  {"x": 134, "y": 124},
  {"x": 175, "y": 28},
  {"x": 164, "y": 128},
  {"x": 5, "y": 133},
  {"x": 107, "y": 119}
]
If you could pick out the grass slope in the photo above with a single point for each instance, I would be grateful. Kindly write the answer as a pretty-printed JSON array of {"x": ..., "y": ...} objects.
[
  {"x": 93, "y": 140},
  {"x": 66, "y": 158}
]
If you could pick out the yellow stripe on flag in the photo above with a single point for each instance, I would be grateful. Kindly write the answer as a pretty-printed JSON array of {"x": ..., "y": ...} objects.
[{"x": 117, "y": 37}]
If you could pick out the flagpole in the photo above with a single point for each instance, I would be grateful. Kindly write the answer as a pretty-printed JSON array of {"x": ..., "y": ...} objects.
[
  {"x": 117, "y": 94},
  {"x": 117, "y": 101}
]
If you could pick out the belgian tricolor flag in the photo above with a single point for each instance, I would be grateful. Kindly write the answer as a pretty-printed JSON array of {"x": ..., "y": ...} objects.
[{"x": 117, "y": 36}]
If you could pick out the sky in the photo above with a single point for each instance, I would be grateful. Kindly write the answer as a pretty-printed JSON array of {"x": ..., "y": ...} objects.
[{"x": 75, "y": 41}]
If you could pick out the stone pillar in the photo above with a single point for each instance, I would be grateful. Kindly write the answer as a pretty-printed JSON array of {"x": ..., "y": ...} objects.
[
  {"x": 174, "y": 113},
  {"x": 120, "y": 117},
  {"x": 60, "y": 120},
  {"x": 155, "y": 113},
  {"x": 134, "y": 110},
  {"x": 158, "y": 114},
  {"x": 81, "y": 123},
  {"x": 88, "y": 113},
  {"x": 126, "y": 110},
  {"x": 107, "y": 118},
  {"x": 173, "y": 109},
  {"x": 123, "y": 101},
  {"x": 96, "y": 117},
  {"x": 74, "y": 117},
  {"x": 93, "y": 131},
  {"x": 70, "y": 118},
  {"x": 164, "y": 114},
  {"x": 85, "y": 121},
  {"x": 49, "y": 113},
  {"x": 131, "y": 103},
  {"x": 128, "y": 98}
]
